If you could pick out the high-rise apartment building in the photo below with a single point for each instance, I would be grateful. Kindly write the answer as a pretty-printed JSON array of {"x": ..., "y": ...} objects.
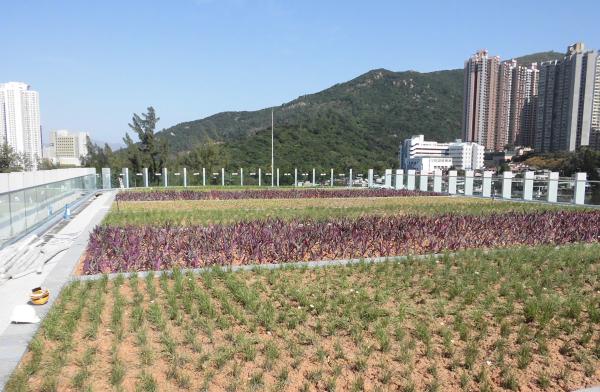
[
  {"x": 498, "y": 99},
  {"x": 480, "y": 97},
  {"x": 524, "y": 91},
  {"x": 67, "y": 148},
  {"x": 504, "y": 102},
  {"x": 595, "y": 131},
  {"x": 20, "y": 119},
  {"x": 568, "y": 106}
]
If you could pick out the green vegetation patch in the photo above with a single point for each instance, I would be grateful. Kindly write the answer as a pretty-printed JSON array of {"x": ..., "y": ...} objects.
[{"x": 477, "y": 320}]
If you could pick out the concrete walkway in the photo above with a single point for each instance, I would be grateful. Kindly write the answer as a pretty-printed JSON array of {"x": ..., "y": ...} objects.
[{"x": 15, "y": 337}]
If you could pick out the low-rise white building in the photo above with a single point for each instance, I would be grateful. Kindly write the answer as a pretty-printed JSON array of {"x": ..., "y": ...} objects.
[
  {"x": 66, "y": 148},
  {"x": 428, "y": 164},
  {"x": 465, "y": 156}
]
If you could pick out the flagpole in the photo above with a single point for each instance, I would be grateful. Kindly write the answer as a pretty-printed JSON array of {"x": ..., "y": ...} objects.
[{"x": 272, "y": 153}]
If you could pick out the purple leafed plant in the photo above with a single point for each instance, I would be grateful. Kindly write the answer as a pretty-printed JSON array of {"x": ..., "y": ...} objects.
[
  {"x": 161, "y": 195},
  {"x": 135, "y": 248}
]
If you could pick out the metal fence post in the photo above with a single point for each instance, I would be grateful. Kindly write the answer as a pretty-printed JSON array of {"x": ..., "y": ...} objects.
[
  {"x": 314, "y": 181},
  {"x": 388, "y": 178},
  {"x": 423, "y": 181},
  {"x": 350, "y": 179},
  {"x": 370, "y": 178},
  {"x": 165, "y": 175},
  {"x": 185, "y": 177},
  {"x": 222, "y": 176},
  {"x": 331, "y": 177},
  {"x": 106, "y": 179},
  {"x": 241, "y": 176},
  {"x": 507, "y": 177},
  {"x": 295, "y": 176},
  {"x": 528, "y": 185},
  {"x": 145, "y": 176},
  {"x": 437, "y": 180},
  {"x": 203, "y": 176},
  {"x": 469, "y": 174},
  {"x": 278, "y": 177},
  {"x": 486, "y": 186},
  {"x": 410, "y": 180},
  {"x": 452, "y": 182},
  {"x": 553, "y": 187},
  {"x": 580, "y": 182},
  {"x": 259, "y": 176},
  {"x": 125, "y": 177},
  {"x": 399, "y": 179}
]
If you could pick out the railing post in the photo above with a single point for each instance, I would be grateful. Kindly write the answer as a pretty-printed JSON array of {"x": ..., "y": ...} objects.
[
  {"x": 437, "y": 180},
  {"x": 126, "y": 177},
  {"x": 185, "y": 177},
  {"x": 222, "y": 176},
  {"x": 486, "y": 185},
  {"x": 553, "y": 187},
  {"x": 423, "y": 181},
  {"x": 370, "y": 182},
  {"x": 277, "y": 177},
  {"x": 332, "y": 177},
  {"x": 388, "y": 178},
  {"x": 507, "y": 177},
  {"x": 469, "y": 174},
  {"x": 350, "y": 179},
  {"x": 165, "y": 175},
  {"x": 580, "y": 182},
  {"x": 452, "y": 182},
  {"x": 295, "y": 177},
  {"x": 399, "y": 179},
  {"x": 259, "y": 176},
  {"x": 410, "y": 180},
  {"x": 145, "y": 176},
  {"x": 106, "y": 180},
  {"x": 203, "y": 176},
  {"x": 241, "y": 176},
  {"x": 528, "y": 185}
]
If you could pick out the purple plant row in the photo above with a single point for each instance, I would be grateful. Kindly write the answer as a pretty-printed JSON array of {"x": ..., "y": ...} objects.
[
  {"x": 136, "y": 248},
  {"x": 161, "y": 195}
]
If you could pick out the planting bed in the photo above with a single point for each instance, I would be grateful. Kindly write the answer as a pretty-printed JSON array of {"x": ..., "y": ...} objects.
[
  {"x": 199, "y": 194},
  {"x": 204, "y": 212},
  {"x": 514, "y": 319},
  {"x": 136, "y": 248}
]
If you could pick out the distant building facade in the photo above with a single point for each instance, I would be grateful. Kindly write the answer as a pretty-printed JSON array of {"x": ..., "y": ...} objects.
[
  {"x": 20, "y": 120},
  {"x": 418, "y": 154},
  {"x": 480, "y": 97},
  {"x": 67, "y": 148},
  {"x": 428, "y": 164},
  {"x": 499, "y": 98},
  {"x": 568, "y": 107}
]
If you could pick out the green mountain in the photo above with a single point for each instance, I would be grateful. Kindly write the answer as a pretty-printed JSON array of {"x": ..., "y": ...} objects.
[{"x": 355, "y": 124}]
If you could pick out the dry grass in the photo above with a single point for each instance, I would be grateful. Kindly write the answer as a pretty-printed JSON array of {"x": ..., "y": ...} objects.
[{"x": 526, "y": 319}]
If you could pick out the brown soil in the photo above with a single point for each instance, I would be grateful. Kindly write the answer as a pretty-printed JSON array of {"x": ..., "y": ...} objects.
[{"x": 351, "y": 353}]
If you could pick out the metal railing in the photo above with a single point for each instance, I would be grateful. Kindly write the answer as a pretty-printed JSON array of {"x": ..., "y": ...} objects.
[
  {"x": 22, "y": 210},
  {"x": 516, "y": 186}
]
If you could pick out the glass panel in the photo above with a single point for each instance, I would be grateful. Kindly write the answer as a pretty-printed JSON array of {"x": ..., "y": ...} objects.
[
  {"x": 23, "y": 210},
  {"x": 517, "y": 188},
  {"x": 566, "y": 190},
  {"x": 5, "y": 218}
]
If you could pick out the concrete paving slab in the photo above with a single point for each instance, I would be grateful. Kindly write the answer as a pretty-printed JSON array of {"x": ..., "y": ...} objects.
[{"x": 15, "y": 337}]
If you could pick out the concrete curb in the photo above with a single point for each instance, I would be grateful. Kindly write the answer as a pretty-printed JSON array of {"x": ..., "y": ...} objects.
[{"x": 252, "y": 267}]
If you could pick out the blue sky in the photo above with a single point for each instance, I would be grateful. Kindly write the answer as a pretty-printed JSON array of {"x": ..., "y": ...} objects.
[{"x": 97, "y": 62}]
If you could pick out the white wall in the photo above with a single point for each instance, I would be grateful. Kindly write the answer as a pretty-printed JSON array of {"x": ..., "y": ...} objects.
[{"x": 19, "y": 180}]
